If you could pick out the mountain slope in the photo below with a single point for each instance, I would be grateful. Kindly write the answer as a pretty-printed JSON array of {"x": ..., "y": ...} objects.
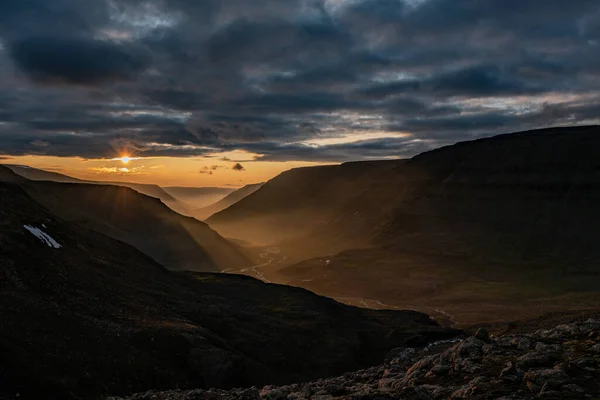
[
  {"x": 227, "y": 201},
  {"x": 155, "y": 191},
  {"x": 35, "y": 174},
  {"x": 177, "y": 242},
  {"x": 299, "y": 201},
  {"x": 198, "y": 197},
  {"x": 96, "y": 316},
  {"x": 475, "y": 230}
]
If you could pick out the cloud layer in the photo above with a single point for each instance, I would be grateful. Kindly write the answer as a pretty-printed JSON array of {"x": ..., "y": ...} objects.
[{"x": 304, "y": 80}]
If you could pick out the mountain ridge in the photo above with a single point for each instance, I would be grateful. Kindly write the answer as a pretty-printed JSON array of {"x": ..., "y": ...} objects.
[
  {"x": 96, "y": 316},
  {"x": 488, "y": 224},
  {"x": 174, "y": 240},
  {"x": 229, "y": 200}
]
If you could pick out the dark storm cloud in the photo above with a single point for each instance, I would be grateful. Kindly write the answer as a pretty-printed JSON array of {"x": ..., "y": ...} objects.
[
  {"x": 191, "y": 78},
  {"x": 76, "y": 60},
  {"x": 478, "y": 81},
  {"x": 366, "y": 149}
]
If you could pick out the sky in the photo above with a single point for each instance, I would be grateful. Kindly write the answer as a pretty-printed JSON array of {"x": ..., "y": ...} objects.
[{"x": 228, "y": 92}]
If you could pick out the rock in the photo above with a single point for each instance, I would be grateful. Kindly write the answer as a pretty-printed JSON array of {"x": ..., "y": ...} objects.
[
  {"x": 514, "y": 366},
  {"x": 536, "y": 380},
  {"x": 537, "y": 359},
  {"x": 469, "y": 390},
  {"x": 425, "y": 392},
  {"x": 482, "y": 334},
  {"x": 573, "y": 391},
  {"x": 511, "y": 373},
  {"x": 522, "y": 343},
  {"x": 587, "y": 363},
  {"x": 440, "y": 369},
  {"x": 471, "y": 347},
  {"x": 271, "y": 393}
]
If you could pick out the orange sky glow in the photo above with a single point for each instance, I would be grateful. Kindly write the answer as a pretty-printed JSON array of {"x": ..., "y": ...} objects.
[{"x": 165, "y": 171}]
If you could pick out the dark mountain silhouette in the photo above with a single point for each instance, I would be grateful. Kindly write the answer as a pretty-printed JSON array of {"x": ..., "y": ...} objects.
[
  {"x": 198, "y": 197},
  {"x": 83, "y": 315},
  {"x": 151, "y": 190},
  {"x": 176, "y": 241},
  {"x": 475, "y": 230},
  {"x": 36, "y": 174},
  {"x": 227, "y": 201}
]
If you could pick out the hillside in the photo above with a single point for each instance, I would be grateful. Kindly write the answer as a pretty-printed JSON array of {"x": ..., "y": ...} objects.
[
  {"x": 229, "y": 200},
  {"x": 35, "y": 174},
  {"x": 475, "y": 230},
  {"x": 198, "y": 197},
  {"x": 83, "y": 315},
  {"x": 175, "y": 241},
  {"x": 302, "y": 200},
  {"x": 155, "y": 191}
]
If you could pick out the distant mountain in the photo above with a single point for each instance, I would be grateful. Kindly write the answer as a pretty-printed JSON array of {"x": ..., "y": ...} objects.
[
  {"x": 198, "y": 197},
  {"x": 94, "y": 316},
  {"x": 151, "y": 190},
  {"x": 35, "y": 174},
  {"x": 227, "y": 201},
  {"x": 177, "y": 242},
  {"x": 300, "y": 201},
  {"x": 475, "y": 230}
]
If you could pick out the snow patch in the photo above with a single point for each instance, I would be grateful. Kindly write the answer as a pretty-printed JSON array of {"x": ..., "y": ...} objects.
[{"x": 43, "y": 236}]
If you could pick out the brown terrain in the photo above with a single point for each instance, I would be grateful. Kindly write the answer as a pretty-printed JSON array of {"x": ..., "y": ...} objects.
[
  {"x": 198, "y": 197},
  {"x": 227, "y": 201},
  {"x": 34, "y": 174},
  {"x": 476, "y": 235},
  {"x": 83, "y": 315},
  {"x": 175, "y": 241},
  {"x": 480, "y": 231}
]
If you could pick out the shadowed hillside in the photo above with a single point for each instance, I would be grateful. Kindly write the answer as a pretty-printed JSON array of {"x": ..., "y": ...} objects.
[
  {"x": 227, "y": 201},
  {"x": 489, "y": 225},
  {"x": 155, "y": 191},
  {"x": 177, "y": 242},
  {"x": 198, "y": 197},
  {"x": 93, "y": 316},
  {"x": 298, "y": 201}
]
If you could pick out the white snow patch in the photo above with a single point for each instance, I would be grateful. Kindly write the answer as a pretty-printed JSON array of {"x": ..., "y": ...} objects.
[{"x": 43, "y": 236}]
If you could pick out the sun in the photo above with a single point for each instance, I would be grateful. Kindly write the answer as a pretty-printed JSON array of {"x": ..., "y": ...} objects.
[{"x": 125, "y": 159}]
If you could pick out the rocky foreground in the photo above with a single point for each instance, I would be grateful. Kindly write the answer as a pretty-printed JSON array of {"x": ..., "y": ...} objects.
[{"x": 558, "y": 363}]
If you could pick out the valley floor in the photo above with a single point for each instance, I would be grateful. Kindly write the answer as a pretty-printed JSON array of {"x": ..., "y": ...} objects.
[{"x": 459, "y": 294}]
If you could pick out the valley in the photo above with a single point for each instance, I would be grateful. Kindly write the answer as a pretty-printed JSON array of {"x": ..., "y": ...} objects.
[
  {"x": 93, "y": 316},
  {"x": 299, "y": 200},
  {"x": 315, "y": 273},
  {"x": 445, "y": 233}
]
